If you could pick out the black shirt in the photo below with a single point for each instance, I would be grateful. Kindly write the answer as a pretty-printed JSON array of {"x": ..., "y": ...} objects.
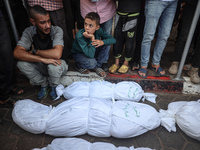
[{"x": 129, "y": 6}]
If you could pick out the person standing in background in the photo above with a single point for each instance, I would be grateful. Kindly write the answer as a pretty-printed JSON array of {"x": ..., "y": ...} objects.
[
  {"x": 157, "y": 13},
  {"x": 125, "y": 31},
  {"x": 77, "y": 18},
  {"x": 184, "y": 28}
]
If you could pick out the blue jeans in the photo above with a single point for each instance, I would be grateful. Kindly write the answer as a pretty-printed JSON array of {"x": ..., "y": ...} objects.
[
  {"x": 84, "y": 62},
  {"x": 107, "y": 26},
  {"x": 161, "y": 12}
]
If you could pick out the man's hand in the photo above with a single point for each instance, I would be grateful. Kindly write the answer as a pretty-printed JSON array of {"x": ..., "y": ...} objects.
[
  {"x": 30, "y": 52},
  {"x": 97, "y": 43},
  {"x": 90, "y": 36},
  {"x": 52, "y": 61}
]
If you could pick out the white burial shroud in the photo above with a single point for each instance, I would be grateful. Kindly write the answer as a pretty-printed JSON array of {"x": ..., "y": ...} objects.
[
  {"x": 95, "y": 116},
  {"x": 185, "y": 114},
  {"x": 125, "y": 90},
  {"x": 80, "y": 144}
]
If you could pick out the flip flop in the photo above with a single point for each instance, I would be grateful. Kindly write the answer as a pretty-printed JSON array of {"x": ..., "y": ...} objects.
[
  {"x": 158, "y": 70},
  {"x": 8, "y": 103},
  {"x": 187, "y": 67},
  {"x": 82, "y": 71},
  {"x": 16, "y": 91},
  {"x": 113, "y": 68},
  {"x": 142, "y": 70},
  {"x": 123, "y": 69},
  {"x": 98, "y": 71}
]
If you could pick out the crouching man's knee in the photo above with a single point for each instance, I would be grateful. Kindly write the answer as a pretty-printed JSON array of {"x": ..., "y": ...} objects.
[
  {"x": 25, "y": 67},
  {"x": 59, "y": 70}
]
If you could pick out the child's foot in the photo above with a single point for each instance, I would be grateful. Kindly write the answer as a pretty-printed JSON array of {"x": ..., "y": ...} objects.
[
  {"x": 123, "y": 69},
  {"x": 82, "y": 71},
  {"x": 113, "y": 68},
  {"x": 100, "y": 72}
]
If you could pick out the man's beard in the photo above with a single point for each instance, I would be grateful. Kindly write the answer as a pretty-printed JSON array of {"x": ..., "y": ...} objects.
[{"x": 42, "y": 31}]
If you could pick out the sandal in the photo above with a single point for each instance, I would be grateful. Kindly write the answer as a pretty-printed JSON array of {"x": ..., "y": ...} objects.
[
  {"x": 113, "y": 68},
  {"x": 82, "y": 71},
  {"x": 123, "y": 69},
  {"x": 158, "y": 70},
  {"x": 99, "y": 71},
  {"x": 142, "y": 70},
  {"x": 17, "y": 91},
  {"x": 187, "y": 67},
  {"x": 135, "y": 65},
  {"x": 8, "y": 103}
]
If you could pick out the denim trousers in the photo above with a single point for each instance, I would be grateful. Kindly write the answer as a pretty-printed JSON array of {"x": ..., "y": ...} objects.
[
  {"x": 84, "y": 62},
  {"x": 107, "y": 26},
  {"x": 161, "y": 14},
  {"x": 43, "y": 74}
]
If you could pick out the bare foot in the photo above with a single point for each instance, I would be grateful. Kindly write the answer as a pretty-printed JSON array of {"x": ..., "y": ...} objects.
[
  {"x": 100, "y": 72},
  {"x": 156, "y": 68},
  {"x": 142, "y": 73}
]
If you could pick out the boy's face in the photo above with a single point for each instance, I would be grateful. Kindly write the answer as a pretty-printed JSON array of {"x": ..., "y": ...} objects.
[{"x": 90, "y": 26}]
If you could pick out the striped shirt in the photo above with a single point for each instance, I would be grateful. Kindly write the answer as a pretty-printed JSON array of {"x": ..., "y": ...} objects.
[
  {"x": 49, "y": 5},
  {"x": 104, "y": 8}
]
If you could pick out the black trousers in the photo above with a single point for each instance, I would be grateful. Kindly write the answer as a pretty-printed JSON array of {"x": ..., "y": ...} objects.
[
  {"x": 6, "y": 62},
  {"x": 188, "y": 14},
  {"x": 58, "y": 18},
  {"x": 125, "y": 35},
  {"x": 75, "y": 5},
  {"x": 196, "y": 56},
  {"x": 139, "y": 37}
]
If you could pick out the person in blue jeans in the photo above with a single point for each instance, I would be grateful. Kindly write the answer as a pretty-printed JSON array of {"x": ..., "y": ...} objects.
[
  {"x": 157, "y": 13},
  {"x": 89, "y": 47}
]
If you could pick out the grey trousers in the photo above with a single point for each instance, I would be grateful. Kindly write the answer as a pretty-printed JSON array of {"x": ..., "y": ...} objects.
[{"x": 43, "y": 74}]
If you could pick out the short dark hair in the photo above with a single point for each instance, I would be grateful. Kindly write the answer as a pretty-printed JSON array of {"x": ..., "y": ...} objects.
[
  {"x": 37, "y": 10},
  {"x": 93, "y": 16}
]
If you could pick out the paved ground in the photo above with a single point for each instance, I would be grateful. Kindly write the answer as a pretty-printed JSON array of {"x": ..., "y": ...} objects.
[{"x": 13, "y": 137}]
